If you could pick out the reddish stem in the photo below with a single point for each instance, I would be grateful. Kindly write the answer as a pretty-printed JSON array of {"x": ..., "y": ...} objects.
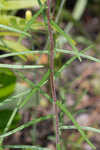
[{"x": 51, "y": 65}]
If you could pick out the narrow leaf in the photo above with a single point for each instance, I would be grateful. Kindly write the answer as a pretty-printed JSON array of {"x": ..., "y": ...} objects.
[
  {"x": 14, "y": 30},
  {"x": 30, "y": 22},
  {"x": 26, "y": 125},
  {"x": 36, "y": 88},
  {"x": 69, "y": 39},
  {"x": 24, "y": 147},
  {"x": 21, "y": 66},
  {"x": 65, "y": 110},
  {"x": 82, "y": 127}
]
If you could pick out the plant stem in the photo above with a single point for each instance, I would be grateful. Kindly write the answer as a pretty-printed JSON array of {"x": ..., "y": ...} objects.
[{"x": 51, "y": 65}]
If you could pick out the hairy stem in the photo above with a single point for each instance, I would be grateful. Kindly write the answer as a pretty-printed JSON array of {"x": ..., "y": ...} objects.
[{"x": 51, "y": 65}]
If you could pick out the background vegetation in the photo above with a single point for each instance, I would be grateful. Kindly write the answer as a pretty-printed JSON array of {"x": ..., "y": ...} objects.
[{"x": 49, "y": 59}]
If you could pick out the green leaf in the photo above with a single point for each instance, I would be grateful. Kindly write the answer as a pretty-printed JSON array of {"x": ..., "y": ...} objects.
[
  {"x": 4, "y": 117},
  {"x": 82, "y": 127},
  {"x": 24, "y": 147},
  {"x": 36, "y": 88},
  {"x": 19, "y": 4},
  {"x": 21, "y": 66},
  {"x": 14, "y": 30},
  {"x": 23, "y": 52},
  {"x": 19, "y": 23},
  {"x": 13, "y": 46},
  {"x": 35, "y": 121},
  {"x": 80, "y": 54},
  {"x": 65, "y": 110},
  {"x": 69, "y": 39},
  {"x": 7, "y": 82},
  {"x": 12, "y": 98}
]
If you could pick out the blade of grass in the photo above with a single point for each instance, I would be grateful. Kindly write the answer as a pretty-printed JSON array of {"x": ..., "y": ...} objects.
[
  {"x": 30, "y": 22},
  {"x": 24, "y": 52},
  {"x": 43, "y": 13},
  {"x": 69, "y": 115},
  {"x": 79, "y": 9},
  {"x": 12, "y": 116},
  {"x": 77, "y": 13},
  {"x": 65, "y": 65},
  {"x": 60, "y": 10},
  {"x": 70, "y": 62},
  {"x": 80, "y": 54},
  {"x": 82, "y": 127},
  {"x": 69, "y": 39},
  {"x": 26, "y": 125},
  {"x": 11, "y": 99},
  {"x": 36, "y": 88},
  {"x": 33, "y": 85},
  {"x": 11, "y": 119},
  {"x": 12, "y": 46},
  {"x": 90, "y": 58},
  {"x": 14, "y": 30},
  {"x": 21, "y": 66},
  {"x": 57, "y": 50},
  {"x": 74, "y": 20},
  {"x": 46, "y": 52},
  {"x": 57, "y": 19},
  {"x": 24, "y": 147}
]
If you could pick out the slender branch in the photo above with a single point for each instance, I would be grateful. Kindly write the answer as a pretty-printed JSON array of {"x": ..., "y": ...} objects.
[{"x": 51, "y": 65}]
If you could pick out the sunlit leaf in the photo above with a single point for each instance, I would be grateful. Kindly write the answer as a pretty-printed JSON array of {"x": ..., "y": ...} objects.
[
  {"x": 7, "y": 82},
  {"x": 19, "y": 4}
]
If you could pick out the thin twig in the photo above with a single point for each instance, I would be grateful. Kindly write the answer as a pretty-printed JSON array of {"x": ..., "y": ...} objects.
[{"x": 51, "y": 65}]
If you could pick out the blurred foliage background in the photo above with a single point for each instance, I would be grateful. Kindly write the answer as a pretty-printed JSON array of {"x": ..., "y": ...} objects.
[{"x": 23, "y": 28}]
